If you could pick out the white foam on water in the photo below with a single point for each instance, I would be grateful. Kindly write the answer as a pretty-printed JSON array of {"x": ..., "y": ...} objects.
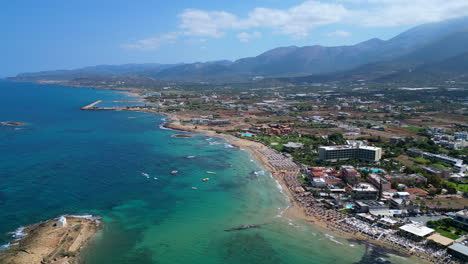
[
  {"x": 161, "y": 126},
  {"x": 260, "y": 172},
  {"x": 281, "y": 212},
  {"x": 279, "y": 186},
  {"x": 395, "y": 256},
  {"x": 332, "y": 238},
  {"x": 226, "y": 145},
  {"x": 84, "y": 216},
  {"x": 18, "y": 234}
]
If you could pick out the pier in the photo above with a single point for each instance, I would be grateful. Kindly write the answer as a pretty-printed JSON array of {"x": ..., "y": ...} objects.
[{"x": 91, "y": 106}]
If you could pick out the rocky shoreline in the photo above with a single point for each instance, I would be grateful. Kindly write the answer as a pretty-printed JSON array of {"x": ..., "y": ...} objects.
[{"x": 56, "y": 241}]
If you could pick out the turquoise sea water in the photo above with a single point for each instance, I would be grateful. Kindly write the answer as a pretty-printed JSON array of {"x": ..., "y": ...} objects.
[{"x": 68, "y": 161}]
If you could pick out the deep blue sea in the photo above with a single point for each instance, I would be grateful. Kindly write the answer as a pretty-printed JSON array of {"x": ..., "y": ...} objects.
[{"x": 68, "y": 161}]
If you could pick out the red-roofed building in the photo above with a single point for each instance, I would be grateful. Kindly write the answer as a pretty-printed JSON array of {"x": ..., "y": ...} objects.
[
  {"x": 416, "y": 192},
  {"x": 322, "y": 171},
  {"x": 332, "y": 180},
  {"x": 349, "y": 174}
]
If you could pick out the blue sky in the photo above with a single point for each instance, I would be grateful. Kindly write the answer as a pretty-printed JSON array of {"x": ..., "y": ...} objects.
[{"x": 57, "y": 34}]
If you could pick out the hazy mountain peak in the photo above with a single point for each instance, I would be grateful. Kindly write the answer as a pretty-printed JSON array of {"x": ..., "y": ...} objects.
[{"x": 420, "y": 44}]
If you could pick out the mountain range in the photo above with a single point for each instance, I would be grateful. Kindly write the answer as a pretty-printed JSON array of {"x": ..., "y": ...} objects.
[{"x": 436, "y": 50}]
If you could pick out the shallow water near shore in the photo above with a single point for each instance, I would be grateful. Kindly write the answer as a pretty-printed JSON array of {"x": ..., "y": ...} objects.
[{"x": 118, "y": 165}]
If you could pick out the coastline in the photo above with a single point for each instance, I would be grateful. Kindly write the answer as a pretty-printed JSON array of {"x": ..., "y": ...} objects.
[
  {"x": 59, "y": 240},
  {"x": 303, "y": 206},
  {"x": 296, "y": 210}
]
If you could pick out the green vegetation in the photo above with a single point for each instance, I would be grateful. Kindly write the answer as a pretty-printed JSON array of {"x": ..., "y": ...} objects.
[
  {"x": 440, "y": 166},
  {"x": 454, "y": 187},
  {"x": 415, "y": 129},
  {"x": 306, "y": 155},
  {"x": 462, "y": 187},
  {"x": 447, "y": 228},
  {"x": 462, "y": 153},
  {"x": 421, "y": 160}
]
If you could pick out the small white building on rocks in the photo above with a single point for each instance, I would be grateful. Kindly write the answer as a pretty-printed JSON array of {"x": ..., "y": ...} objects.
[{"x": 62, "y": 222}]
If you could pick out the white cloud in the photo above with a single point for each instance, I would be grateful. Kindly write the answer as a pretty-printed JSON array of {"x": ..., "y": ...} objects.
[
  {"x": 296, "y": 21},
  {"x": 299, "y": 20},
  {"x": 204, "y": 23},
  {"x": 339, "y": 33},
  {"x": 154, "y": 43},
  {"x": 246, "y": 37},
  {"x": 392, "y": 13}
]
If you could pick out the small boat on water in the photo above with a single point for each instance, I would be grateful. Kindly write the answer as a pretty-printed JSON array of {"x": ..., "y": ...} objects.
[
  {"x": 195, "y": 188},
  {"x": 145, "y": 174},
  {"x": 206, "y": 179},
  {"x": 211, "y": 172},
  {"x": 174, "y": 172}
]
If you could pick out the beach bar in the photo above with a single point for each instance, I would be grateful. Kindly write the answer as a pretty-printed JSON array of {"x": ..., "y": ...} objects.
[{"x": 416, "y": 231}]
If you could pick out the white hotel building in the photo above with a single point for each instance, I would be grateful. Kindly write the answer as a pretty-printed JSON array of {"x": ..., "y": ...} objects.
[{"x": 346, "y": 152}]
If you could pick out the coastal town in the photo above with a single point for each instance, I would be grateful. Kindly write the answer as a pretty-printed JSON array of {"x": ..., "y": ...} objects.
[
  {"x": 253, "y": 132},
  {"x": 368, "y": 164}
]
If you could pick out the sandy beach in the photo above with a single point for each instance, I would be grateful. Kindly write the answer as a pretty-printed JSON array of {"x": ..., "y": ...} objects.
[
  {"x": 295, "y": 211},
  {"x": 303, "y": 206},
  {"x": 324, "y": 219}
]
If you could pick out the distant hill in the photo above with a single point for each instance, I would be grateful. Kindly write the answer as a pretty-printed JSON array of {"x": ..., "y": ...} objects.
[
  {"x": 454, "y": 68},
  {"x": 444, "y": 57},
  {"x": 99, "y": 71},
  {"x": 373, "y": 60}
]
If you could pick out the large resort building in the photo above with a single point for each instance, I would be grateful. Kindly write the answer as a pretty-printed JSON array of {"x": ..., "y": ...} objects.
[{"x": 346, "y": 152}]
